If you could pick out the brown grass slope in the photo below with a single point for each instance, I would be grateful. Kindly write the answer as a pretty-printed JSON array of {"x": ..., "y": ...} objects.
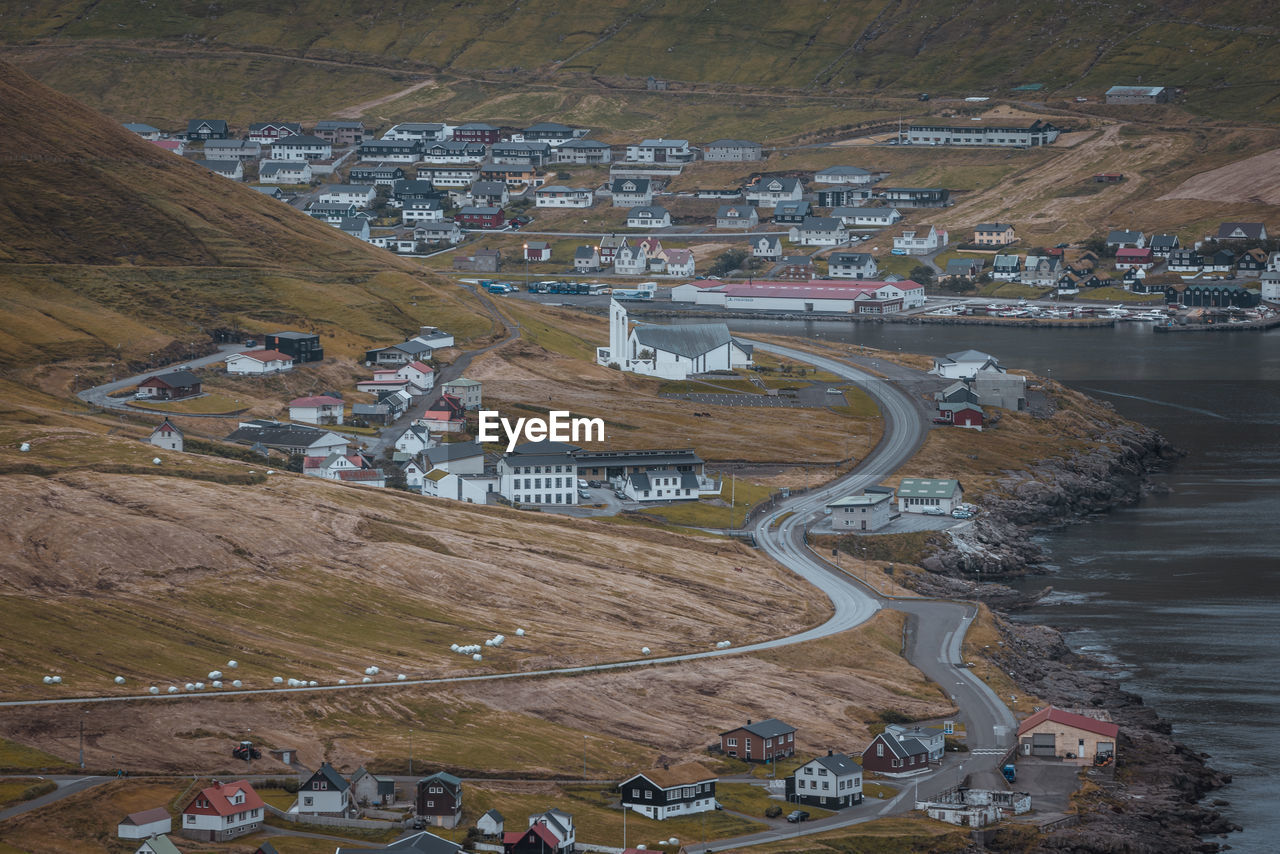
[{"x": 112, "y": 247}]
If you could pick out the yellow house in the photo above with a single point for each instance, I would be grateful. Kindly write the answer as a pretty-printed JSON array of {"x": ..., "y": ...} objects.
[
  {"x": 994, "y": 234},
  {"x": 1075, "y": 738}
]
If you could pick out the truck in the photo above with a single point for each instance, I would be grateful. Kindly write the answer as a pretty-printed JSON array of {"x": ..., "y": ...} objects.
[
  {"x": 1010, "y": 772},
  {"x": 644, "y": 290}
]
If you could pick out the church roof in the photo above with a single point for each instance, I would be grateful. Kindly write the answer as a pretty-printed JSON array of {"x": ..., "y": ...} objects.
[{"x": 687, "y": 341}]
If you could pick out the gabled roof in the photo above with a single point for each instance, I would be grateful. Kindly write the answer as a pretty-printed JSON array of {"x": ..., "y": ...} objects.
[
  {"x": 969, "y": 356},
  {"x": 1071, "y": 719},
  {"x": 327, "y": 773},
  {"x": 837, "y": 763},
  {"x": 164, "y": 845},
  {"x": 493, "y": 814},
  {"x": 843, "y": 170},
  {"x": 857, "y": 259},
  {"x": 317, "y": 400},
  {"x": 900, "y": 748},
  {"x": 541, "y": 831},
  {"x": 1123, "y": 236},
  {"x": 677, "y": 775},
  {"x": 147, "y": 816},
  {"x": 732, "y": 143},
  {"x": 215, "y": 125},
  {"x": 449, "y": 451},
  {"x": 586, "y": 253},
  {"x": 263, "y": 356},
  {"x": 173, "y": 379},
  {"x": 444, "y": 779},
  {"x": 992, "y": 226},
  {"x": 419, "y": 843},
  {"x": 1251, "y": 230},
  {"x": 637, "y": 185},
  {"x": 161, "y": 427},
  {"x": 921, "y": 487},
  {"x": 689, "y": 341},
  {"x": 219, "y": 797},
  {"x": 768, "y": 728},
  {"x": 301, "y": 140}
]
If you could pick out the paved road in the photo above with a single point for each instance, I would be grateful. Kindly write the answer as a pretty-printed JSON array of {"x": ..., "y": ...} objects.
[
  {"x": 100, "y": 395},
  {"x": 67, "y": 786}
]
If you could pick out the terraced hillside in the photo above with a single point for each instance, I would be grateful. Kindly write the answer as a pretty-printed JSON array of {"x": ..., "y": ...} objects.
[
  {"x": 109, "y": 245},
  {"x": 842, "y": 46}
]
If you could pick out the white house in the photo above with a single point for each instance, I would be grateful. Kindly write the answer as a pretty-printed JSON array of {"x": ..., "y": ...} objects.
[
  {"x": 819, "y": 231},
  {"x": 301, "y": 147},
  {"x": 918, "y": 494},
  {"x": 232, "y": 169},
  {"x": 631, "y": 192},
  {"x": 680, "y": 262},
  {"x": 140, "y": 825},
  {"x": 319, "y": 409},
  {"x": 688, "y": 292},
  {"x": 737, "y": 216},
  {"x": 661, "y": 485},
  {"x": 457, "y": 457},
  {"x": 470, "y": 488},
  {"x": 539, "y": 473},
  {"x": 560, "y": 196},
  {"x": 445, "y": 231},
  {"x": 670, "y": 352},
  {"x": 420, "y": 377},
  {"x": 586, "y": 259},
  {"x": 585, "y": 151},
  {"x": 670, "y": 792},
  {"x": 147, "y": 132},
  {"x": 851, "y": 265},
  {"x": 867, "y": 512},
  {"x": 932, "y": 738},
  {"x": 467, "y": 391},
  {"x": 878, "y": 217},
  {"x": 414, "y": 440},
  {"x": 661, "y": 151},
  {"x": 231, "y": 149},
  {"x": 223, "y": 811},
  {"x": 169, "y": 438},
  {"x": 1006, "y": 267},
  {"x": 649, "y": 216},
  {"x": 767, "y": 192},
  {"x": 1270, "y": 283},
  {"x": 421, "y": 210},
  {"x": 631, "y": 260},
  {"x": 284, "y": 172},
  {"x": 919, "y": 240},
  {"x": 326, "y": 792},
  {"x": 768, "y": 247},
  {"x": 158, "y": 845},
  {"x": 963, "y": 364},
  {"x": 420, "y": 131},
  {"x": 491, "y": 823},
  {"x": 833, "y": 781},
  {"x": 845, "y": 175},
  {"x": 258, "y": 362},
  {"x": 360, "y": 195}
]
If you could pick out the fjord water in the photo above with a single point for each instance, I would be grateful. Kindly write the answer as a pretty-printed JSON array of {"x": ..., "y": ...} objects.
[{"x": 1180, "y": 593}]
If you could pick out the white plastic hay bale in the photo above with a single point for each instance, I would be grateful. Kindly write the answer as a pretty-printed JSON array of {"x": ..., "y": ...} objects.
[
  {"x": 477, "y": 657},
  {"x": 57, "y": 680},
  {"x": 199, "y": 686},
  {"x": 371, "y": 670},
  {"x": 173, "y": 689},
  {"x": 519, "y": 633},
  {"x": 673, "y": 841},
  {"x": 233, "y": 664},
  {"x": 342, "y": 682},
  {"x": 155, "y": 461},
  {"x": 24, "y": 447},
  {"x": 271, "y": 471},
  {"x": 277, "y": 679},
  {"x": 453, "y": 647},
  {"x": 190, "y": 686},
  {"x": 644, "y": 650},
  {"x": 237, "y": 684},
  {"x": 119, "y": 680},
  {"x": 313, "y": 683},
  {"x": 400, "y": 677},
  {"x": 366, "y": 679},
  {"x": 154, "y": 690},
  {"x": 217, "y": 683},
  {"x": 215, "y": 674},
  {"x": 48, "y": 680}
]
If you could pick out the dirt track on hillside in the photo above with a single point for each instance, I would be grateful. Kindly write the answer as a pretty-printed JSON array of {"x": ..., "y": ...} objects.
[{"x": 1253, "y": 180}]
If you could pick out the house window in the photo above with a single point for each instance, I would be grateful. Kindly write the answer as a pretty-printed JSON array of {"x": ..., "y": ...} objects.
[
  {"x": 879, "y": 750},
  {"x": 825, "y": 785},
  {"x": 308, "y": 801},
  {"x": 431, "y": 804},
  {"x": 191, "y": 819},
  {"x": 731, "y": 742},
  {"x": 822, "y": 772},
  {"x": 809, "y": 770},
  {"x": 635, "y": 793},
  {"x": 648, "y": 795}
]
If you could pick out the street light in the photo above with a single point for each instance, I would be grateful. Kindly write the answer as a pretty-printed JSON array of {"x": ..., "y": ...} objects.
[{"x": 526, "y": 268}]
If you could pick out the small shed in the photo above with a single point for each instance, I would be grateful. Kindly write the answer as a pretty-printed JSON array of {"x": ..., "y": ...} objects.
[
  {"x": 166, "y": 436},
  {"x": 491, "y": 823},
  {"x": 145, "y": 824}
]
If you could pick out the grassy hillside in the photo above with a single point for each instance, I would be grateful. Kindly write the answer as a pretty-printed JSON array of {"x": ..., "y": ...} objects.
[
  {"x": 112, "y": 246},
  {"x": 841, "y": 45}
]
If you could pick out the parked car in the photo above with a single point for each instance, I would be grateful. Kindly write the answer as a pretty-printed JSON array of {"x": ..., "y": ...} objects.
[
  {"x": 584, "y": 495},
  {"x": 797, "y": 816},
  {"x": 934, "y": 511},
  {"x": 961, "y": 514}
]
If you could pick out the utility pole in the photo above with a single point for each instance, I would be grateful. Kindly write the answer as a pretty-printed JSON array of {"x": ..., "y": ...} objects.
[
  {"x": 82, "y": 744},
  {"x": 410, "y": 751},
  {"x": 584, "y": 758}
]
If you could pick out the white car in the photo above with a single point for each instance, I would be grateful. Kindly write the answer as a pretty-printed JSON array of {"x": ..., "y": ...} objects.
[{"x": 933, "y": 511}]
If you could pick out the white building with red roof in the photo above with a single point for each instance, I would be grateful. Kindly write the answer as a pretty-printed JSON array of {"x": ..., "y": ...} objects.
[
  {"x": 320, "y": 409},
  {"x": 843, "y": 296},
  {"x": 1070, "y": 736},
  {"x": 420, "y": 375},
  {"x": 223, "y": 811},
  {"x": 144, "y": 824},
  {"x": 259, "y": 362}
]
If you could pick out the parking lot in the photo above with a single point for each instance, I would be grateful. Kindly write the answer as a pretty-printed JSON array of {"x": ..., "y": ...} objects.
[{"x": 902, "y": 523}]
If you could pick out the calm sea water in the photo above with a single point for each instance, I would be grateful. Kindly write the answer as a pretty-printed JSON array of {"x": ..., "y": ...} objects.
[{"x": 1180, "y": 594}]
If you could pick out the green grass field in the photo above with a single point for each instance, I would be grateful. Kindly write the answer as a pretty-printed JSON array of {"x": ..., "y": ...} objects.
[{"x": 19, "y": 757}]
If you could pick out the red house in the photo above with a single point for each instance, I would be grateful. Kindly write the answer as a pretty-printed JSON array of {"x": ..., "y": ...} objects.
[
  {"x": 476, "y": 132},
  {"x": 1130, "y": 257},
  {"x": 889, "y": 755},
  {"x": 769, "y": 739},
  {"x": 172, "y": 386},
  {"x": 481, "y": 217},
  {"x": 960, "y": 414},
  {"x": 537, "y": 250},
  {"x": 538, "y": 839},
  {"x": 223, "y": 811}
]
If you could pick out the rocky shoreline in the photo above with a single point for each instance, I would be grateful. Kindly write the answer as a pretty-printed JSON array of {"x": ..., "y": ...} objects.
[{"x": 1153, "y": 804}]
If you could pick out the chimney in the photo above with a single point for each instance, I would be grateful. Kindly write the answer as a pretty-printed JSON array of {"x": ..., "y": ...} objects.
[
  {"x": 666, "y": 766},
  {"x": 830, "y": 752},
  {"x": 748, "y": 721}
]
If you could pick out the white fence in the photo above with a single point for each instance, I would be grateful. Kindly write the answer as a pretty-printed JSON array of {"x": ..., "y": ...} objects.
[{"x": 336, "y": 821}]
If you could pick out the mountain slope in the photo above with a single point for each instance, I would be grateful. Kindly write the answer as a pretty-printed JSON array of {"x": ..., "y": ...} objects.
[{"x": 111, "y": 245}]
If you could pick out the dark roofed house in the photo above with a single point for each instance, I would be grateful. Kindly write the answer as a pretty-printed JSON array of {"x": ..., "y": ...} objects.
[
  {"x": 419, "y": 843},
  {"x": 1242, "y": 231},
  {"x": 302, "y": 346},
  {"x": 171, "y": 386},
  {"x": 760, "y": 741},
  {"x": 670, "y": 791},
  {"x": 833, "y": 781},
  {"x": 895, "y": 755},
  {"x": 207, "y": 129},
  {"x": 326, "y": 792},
  {"x": 439, "y": 800}
]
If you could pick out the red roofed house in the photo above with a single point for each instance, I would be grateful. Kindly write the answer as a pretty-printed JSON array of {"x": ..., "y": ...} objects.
[
  {"x": 1068, "y": 736},
  {"x": 259, "y": 362},
  {"x": 421, "y": 377},
  {"x": 447, "y": 414},
  {"x": 1131, "y": 257},
  {"x": 223, "y": 811},
  {"x": 167, "y": 436},
  {"x": 321, "y": 409},
  {"x": 536, "y": 840}
]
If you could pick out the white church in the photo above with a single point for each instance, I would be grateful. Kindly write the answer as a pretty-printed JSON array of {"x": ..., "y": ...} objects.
[{"x": 670, "y": 352}]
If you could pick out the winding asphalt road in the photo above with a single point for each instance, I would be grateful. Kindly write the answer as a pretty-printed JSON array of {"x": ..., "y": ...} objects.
[{"x": 935, "y": 632}]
